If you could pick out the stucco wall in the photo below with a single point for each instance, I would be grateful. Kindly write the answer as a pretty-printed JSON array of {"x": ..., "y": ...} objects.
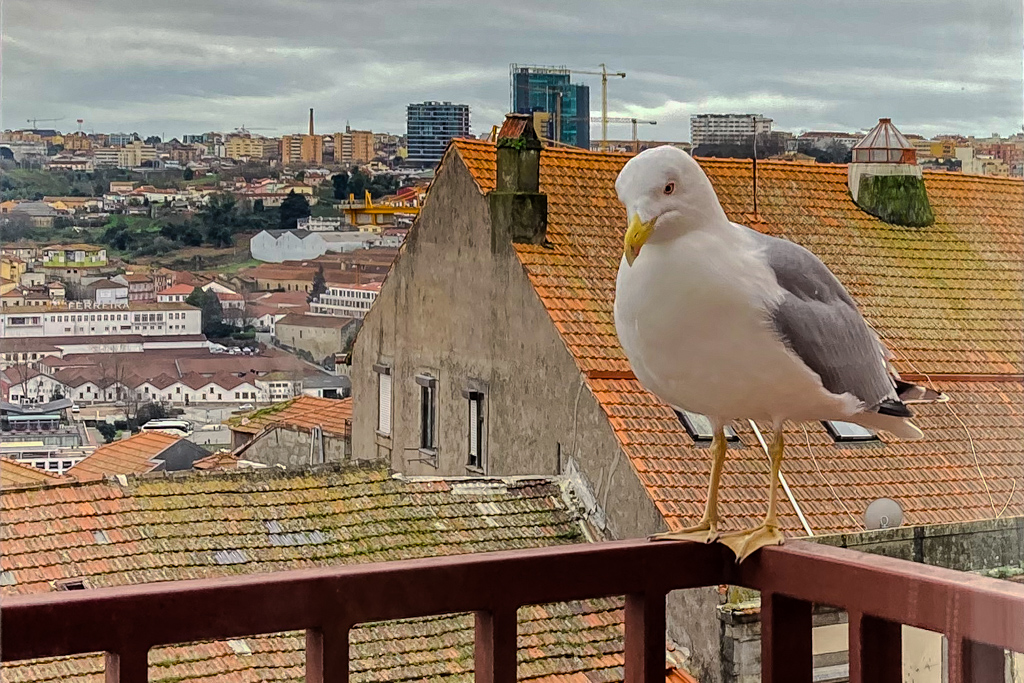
[
  {"x": 290, "y": 447},
  {"x": 318, "y": 341}
]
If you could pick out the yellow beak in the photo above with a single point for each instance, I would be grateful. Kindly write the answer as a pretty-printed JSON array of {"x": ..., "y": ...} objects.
[{"x": 636, "y": 235}]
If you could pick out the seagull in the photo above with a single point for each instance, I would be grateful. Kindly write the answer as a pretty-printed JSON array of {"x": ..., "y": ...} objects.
[{"x": 719, "y": 319}]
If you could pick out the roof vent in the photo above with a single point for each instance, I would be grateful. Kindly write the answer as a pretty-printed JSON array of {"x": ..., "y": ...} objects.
[{"x": 885, "y": 180}]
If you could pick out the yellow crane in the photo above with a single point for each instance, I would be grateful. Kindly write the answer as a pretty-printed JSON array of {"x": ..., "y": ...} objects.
[
  {"x": 604, "y": 73},
  {"x": 623, "y": 119}
]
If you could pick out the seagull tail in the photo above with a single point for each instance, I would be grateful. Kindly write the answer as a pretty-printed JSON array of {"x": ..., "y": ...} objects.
[{"x": 900, "y": 427}]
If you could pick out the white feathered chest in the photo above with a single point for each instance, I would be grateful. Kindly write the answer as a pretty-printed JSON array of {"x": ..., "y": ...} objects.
[{"x": 687, "y": 312}]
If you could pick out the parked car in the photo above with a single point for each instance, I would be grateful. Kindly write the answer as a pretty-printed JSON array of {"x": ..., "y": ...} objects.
[{"x": 246, "y": 406}]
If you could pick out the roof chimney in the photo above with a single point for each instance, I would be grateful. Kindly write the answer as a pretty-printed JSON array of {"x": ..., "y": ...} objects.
[
  {"x": 885, "y": 180},
  {"x": 519, "y": 211},
  {"x": 311, "y": 120}
]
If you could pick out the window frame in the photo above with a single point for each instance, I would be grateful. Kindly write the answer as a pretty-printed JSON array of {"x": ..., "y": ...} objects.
[
  {"x": 839, "y": 437},
  {"x": 475, "y": 461},
  {"x": 428, "y": 413},
  {"x": 686, "y": 419},
  {"x": 383, "y": 371}
]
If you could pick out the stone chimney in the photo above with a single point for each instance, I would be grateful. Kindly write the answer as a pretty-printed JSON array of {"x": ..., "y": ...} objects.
[
  {"x": 885, "y": 180},
  {"x": 519, "y": 211}
]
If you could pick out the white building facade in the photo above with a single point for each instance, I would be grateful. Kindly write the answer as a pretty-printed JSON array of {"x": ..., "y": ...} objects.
[
  {"x": 85, "y": 318},
  {"x": 712, "y": 129},
  {"x": 348, "y": 301}
]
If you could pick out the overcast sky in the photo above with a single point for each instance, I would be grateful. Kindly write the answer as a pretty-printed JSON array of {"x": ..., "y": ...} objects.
[{"x": 169, "y": 67}]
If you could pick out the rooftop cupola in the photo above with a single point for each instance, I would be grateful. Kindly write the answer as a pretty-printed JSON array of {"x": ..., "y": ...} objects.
[{"x": 885, "y": 180}]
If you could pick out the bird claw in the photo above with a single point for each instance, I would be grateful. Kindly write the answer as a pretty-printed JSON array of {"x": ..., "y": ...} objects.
[
  {"x": 744, "y": 543},
  {"x": 702, "y": 532}
]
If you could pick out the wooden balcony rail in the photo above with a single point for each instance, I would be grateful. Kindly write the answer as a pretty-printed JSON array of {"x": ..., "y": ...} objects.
[{"x": 981, "y": 617}]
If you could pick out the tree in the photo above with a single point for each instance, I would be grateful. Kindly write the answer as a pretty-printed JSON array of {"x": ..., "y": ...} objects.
[
  {"x": 149, "y": 411},
  {"x": 300, "y": 176},
  {"x": 212, "y": 312},
  {"x": 319, "y": 285},
  {"x": 107, "y": 431},
  {"x": 188, "y": 174},
  {"x": 340, "y": 182},
  {"x": 294, "y": 207},
  {"x": 257, "y": 206}
]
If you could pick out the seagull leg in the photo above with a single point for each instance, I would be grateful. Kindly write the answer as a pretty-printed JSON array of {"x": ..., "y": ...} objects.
[
  {"x": 744, "y": 543},
  {"x": 706, "y": 530}
]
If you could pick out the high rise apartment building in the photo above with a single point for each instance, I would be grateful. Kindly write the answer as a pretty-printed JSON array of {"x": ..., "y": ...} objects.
[
  {"x": 548, "y": 90},
  {"x": 307, "y": 149},
  {"x": 431, "y": 126},
  {"x": 353, "y": 146},
  {"x": 734, "y": 129}
]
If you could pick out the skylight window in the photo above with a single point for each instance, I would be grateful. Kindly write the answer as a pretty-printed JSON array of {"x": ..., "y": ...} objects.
[
  {"x": 240, "y": 647},
  {"x": 100, "y": 536},
  {"x": 700, "y": 429},
  {"x": 7, "y": 579},
  {"x": 71, "y": 585},
  {"x": 847, "y": 431},
  {"x": 230, "y": 557}
]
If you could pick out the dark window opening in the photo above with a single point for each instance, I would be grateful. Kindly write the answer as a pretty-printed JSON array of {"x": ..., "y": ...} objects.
[
  {"x": 428, "y": 412},
  {"x": 699, "y": 427},
  {"x": 476, "y": 430}
]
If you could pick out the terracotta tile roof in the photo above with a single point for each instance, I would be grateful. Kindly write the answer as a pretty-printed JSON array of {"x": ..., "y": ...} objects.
[
  {"x": 945, "y": 298},
  {"x": 14, "y": 473},
  {"x": 176, "y": 289},
  {"x": 113, "y": 535},
  {"x": 133, "y": 455},
  {"x": 221, "y": 460},
  {"x": 334, "y": 416},
  {"x": 910, "y": 282}
]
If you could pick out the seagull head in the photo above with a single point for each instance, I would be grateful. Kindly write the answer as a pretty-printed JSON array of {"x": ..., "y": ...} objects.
[{"x": 666, "y": 193}]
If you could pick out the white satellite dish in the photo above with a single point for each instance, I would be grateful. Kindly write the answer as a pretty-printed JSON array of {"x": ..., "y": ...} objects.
[{"x": 884, "y": 513}]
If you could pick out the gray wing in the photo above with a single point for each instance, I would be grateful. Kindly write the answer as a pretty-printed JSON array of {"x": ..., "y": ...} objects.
[{"x": 819, "y": 321}]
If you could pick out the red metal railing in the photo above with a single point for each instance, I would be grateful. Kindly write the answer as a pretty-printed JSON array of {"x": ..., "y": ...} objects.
[{"x": 980, "y": 617}]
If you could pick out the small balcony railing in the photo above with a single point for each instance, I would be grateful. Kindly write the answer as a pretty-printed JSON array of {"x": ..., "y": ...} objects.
[{"x": 980, "y": 617}]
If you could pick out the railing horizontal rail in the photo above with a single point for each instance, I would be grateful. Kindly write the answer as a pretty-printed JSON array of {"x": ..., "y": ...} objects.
[{"x": 132, "y": 618}]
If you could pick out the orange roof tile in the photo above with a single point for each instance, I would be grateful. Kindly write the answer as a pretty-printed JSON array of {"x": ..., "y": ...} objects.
[
  {"x": 133, "y": 455},
  {"x": 14, "y": 473},
  {"x": 333, "y": 416},
  {"x": 946, "y": 299},
  {"x": 176, "y": 289}
]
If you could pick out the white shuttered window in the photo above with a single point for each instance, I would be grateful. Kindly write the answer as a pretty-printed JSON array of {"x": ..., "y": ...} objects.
[{"x": 384, "y": 403}]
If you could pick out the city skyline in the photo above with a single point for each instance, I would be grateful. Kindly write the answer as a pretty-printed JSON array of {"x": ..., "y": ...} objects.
[{"x": 934, "y": 69}]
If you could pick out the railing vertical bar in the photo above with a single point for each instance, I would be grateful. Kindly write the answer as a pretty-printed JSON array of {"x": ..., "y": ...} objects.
[
  {"x": 876, "y": 650},
  {"x": 973, "y": 662},
  {"x": 494, "y": 658},
  {"x": 131, "y": 665},
  {"x": 327, "y": 654},
  {"x": 786, "y": 647},
  {"x": 645, "y": 637}
]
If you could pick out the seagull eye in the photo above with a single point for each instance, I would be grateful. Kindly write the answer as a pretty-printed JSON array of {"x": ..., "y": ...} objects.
[{"x": 670, "y": 188}]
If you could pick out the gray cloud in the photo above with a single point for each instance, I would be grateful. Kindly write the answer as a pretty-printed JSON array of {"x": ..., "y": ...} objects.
[{"x": 196, "y": 65}]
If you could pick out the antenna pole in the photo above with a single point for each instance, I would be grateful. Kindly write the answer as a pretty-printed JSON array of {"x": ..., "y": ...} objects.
[{"x": 754, "y": 120}]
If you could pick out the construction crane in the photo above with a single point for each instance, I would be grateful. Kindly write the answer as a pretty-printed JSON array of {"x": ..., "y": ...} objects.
[
  {"x": 623, "y": 119},
  {"x": 604, "y": 74},
  {"x": 35, "y": 122}
]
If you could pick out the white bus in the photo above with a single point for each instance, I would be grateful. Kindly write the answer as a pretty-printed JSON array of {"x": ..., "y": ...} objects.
[{"x": 176, "y": 427}]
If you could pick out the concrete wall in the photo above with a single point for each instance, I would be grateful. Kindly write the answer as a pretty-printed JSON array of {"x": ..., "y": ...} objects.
[
  {"x": 318, "y": 341},
  {"x": 291, "y": 448}
]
